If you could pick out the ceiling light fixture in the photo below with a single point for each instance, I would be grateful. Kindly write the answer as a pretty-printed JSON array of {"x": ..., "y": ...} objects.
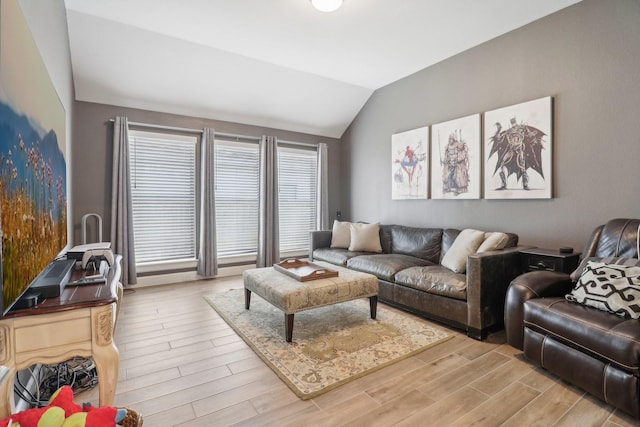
[{"x": 326, "y": 5}]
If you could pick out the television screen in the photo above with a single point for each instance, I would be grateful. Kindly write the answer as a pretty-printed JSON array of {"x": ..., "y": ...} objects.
[{"x": 33, "y": 171}]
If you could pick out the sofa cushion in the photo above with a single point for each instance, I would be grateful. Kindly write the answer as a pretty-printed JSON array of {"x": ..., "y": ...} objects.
[
  {"x": 422, "y": 243},
  {"x": 493, "y": 241},
  {"x": 467, "y": 242},
  {"x": 448, "y": 237},
  {"x": 434, "y": 279},
  {"x": 601, "y": 334},
  {"x": 609, "y": 287},
  {"x": 335, "y": 256},
  {"x": 385, "y": 266},
  {"x": 341, "y": 234}
]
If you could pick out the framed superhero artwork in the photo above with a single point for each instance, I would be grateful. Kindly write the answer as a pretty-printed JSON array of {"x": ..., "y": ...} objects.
[
  {"x": 456, "y": 158},
  {"x": 410, "y": 164},
  {"x": 518, "y": 148}
]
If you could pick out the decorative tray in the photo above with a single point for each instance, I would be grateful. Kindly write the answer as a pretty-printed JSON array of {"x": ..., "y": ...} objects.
[{"x": 304, "y": 270}]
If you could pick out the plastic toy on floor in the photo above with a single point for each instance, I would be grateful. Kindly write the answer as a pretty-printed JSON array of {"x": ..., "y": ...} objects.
[{"x": 63, "y": 412}]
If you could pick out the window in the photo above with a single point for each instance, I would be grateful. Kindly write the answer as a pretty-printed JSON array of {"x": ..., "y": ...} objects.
[
  {"x": 164, "y": 198},
  {"x": 298, "y": 188},
  {"x": 237, "y": 199},
  {"x": 236, "y": 196},
  {"x": 163, "y": 193}
]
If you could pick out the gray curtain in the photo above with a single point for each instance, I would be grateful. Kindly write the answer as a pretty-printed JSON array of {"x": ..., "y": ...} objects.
[
  {"x": 121, "y": 214},
  {"x": 322, "y": 203},
  {"x": 268, "y": 234},
  {"x": 207, "y": 256}
]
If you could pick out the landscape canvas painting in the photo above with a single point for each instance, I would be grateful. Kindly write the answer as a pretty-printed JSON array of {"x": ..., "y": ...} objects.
[
  {"x": 33, "y": 168},
  {"x": 518, "y": 151},
  {"x": 409, "y": 164},
  {"x": 456, "y": 159}
]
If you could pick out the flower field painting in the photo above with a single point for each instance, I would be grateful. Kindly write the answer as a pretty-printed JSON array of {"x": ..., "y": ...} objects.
[{"x": 33, "y": 167}]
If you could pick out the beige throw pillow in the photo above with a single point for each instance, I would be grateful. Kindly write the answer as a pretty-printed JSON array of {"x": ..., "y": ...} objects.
[
  {"x": 467, "y": 242},
  {"x": 341, "y": 234},
  {"x": 493, "y": 241},
  {"x": 365, "y": 237}
]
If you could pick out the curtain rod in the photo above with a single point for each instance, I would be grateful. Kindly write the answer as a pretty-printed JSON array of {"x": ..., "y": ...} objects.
[{"x": 219, "y": 134}]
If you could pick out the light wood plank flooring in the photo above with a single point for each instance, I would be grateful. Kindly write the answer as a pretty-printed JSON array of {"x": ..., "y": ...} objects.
[{"x": 181, "y": 365}]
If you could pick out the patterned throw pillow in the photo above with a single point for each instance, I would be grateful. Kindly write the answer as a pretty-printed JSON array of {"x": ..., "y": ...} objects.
[
  {"x": 627, "y": 262},
  {"x": 609, "y": 287}
]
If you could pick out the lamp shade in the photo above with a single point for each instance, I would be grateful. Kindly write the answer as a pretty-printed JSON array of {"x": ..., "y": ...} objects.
[{"x": 326, "y": 5}]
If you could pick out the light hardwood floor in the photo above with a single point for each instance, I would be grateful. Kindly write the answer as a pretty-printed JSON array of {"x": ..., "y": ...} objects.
[{"x": 180, "y": 364}]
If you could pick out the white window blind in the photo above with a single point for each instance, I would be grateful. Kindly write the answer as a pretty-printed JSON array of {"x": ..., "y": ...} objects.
[
  {"x": 163, "y": 191},
  {"x": 236, "y": 193},
  {"x": 298, "y": 187}
]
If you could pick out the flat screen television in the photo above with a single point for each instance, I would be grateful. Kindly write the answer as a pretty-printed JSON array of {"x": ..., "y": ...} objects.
[{"x": 33, "y": 167}]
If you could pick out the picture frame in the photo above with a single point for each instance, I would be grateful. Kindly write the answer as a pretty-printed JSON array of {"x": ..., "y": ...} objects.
[
  {"x": 518, "y": 151},
  {"x": 410, "y": 164},
  {"x": 456, "y": 159}
]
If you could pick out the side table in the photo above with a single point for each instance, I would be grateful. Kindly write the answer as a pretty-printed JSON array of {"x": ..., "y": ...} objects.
[
  {"x": 535, "y": 259},
  {"x": 80, "y": 322}
]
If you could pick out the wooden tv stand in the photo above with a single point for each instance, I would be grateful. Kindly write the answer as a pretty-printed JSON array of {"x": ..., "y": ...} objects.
[{"x": 80, "y": 322}]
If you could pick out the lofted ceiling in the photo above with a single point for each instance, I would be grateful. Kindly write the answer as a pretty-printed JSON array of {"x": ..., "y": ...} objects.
[{"x": 274, "y": 63}]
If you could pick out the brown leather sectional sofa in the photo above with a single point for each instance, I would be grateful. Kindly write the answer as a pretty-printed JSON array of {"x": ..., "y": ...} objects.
[
  {"x": 596, "y": 350},
  {"x": 410, "y": 275}
]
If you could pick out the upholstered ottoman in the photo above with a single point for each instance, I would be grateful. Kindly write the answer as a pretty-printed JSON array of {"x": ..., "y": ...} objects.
[{"x": 292, "y": 296}]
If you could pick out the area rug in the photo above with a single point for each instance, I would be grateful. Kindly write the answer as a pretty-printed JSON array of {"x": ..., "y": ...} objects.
[{"x": 331, "y": 345}]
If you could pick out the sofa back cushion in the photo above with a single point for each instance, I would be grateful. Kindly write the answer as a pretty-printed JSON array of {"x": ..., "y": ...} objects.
[
  {"x": 448, "y": 237},
  {"x": 619, "y": 238},
  {"x": 422, "y": 243},
  {"x": 385, "y": 238}
]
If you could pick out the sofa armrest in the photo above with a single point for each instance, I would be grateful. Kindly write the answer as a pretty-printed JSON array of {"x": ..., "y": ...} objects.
[
  {"x": 319, "y": 239},
  {"x": 488, "y": 276},
  {"x": 535, "y": 284}
]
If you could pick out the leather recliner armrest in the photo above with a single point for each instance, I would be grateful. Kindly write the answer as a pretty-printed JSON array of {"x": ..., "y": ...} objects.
[
  {"x": 535, "y": 284},
  {"x": 319, "y": 239}
]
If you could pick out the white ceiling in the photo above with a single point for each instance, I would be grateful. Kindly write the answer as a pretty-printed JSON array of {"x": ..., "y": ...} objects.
[{"x": 274, "y": 63}]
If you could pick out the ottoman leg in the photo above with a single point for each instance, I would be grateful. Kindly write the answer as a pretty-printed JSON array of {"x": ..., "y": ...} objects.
[
  {"x": 373, "y": 304},
  {"x": 247, "y": 298},
  {"x": 288, "y": 326}
]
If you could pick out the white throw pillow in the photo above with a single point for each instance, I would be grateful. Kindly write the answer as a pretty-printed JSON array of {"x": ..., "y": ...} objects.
[
  {"x": 341, "y": 234},
  {"x": 467, "y": 242},
  {"x": 365, "y": 237},
  {"x": 493, "y": 241}
]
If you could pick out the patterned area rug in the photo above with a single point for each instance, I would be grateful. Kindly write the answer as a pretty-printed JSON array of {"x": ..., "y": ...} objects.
[{"x": 331, "y": 345}]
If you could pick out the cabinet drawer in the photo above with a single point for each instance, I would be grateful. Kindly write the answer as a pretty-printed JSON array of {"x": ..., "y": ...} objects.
[{"x": 540, "y": 262}]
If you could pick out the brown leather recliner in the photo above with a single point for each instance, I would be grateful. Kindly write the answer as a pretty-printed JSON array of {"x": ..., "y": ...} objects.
[{"x": 596, "y": 350}]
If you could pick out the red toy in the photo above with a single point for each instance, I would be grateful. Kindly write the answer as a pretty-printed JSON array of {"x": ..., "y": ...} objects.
[{"x": 63, "y": 412}]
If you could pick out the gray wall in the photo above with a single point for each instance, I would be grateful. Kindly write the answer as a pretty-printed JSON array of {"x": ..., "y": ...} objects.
[
  {"x": 588, "y": 58},
  {"x": 92, "y": 157},
  {"x": 48, "y": 24}
]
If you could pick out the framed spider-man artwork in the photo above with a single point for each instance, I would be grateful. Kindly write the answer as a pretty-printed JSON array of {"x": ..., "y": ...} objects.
[
  {"x": 518, "y": 151},
  {"x": 410, "y": 164}
]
